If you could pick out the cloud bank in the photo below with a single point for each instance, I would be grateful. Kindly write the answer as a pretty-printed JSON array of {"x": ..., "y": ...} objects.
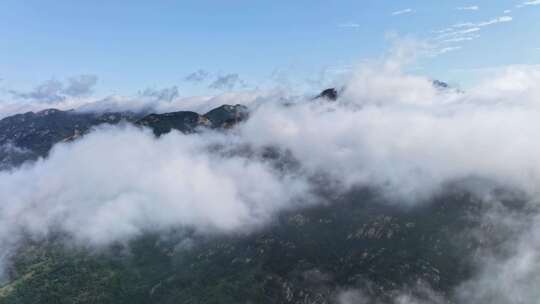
[
  {"x": 468, "y": 8},
  {"x": 390, "y": 130},
  {"x": 145, "y": 184}
]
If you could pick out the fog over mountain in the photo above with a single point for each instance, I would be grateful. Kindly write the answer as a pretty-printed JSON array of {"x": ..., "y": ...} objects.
[{"x": 393, "y": 133}]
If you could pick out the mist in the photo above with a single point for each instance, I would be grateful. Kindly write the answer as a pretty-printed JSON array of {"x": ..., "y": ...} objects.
[
  {"x": 121, "y": 182},
  {"x": 398, "y": 132},
  {"x": 391, "y": 131}
]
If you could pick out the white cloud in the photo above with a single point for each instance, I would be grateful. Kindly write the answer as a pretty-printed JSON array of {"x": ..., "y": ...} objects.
[
  {"x": 145, "y": 184},
  {"x": 459, "y": 33},
  {"x": 495, "y": 21},
  {"x": 349, "y": 25},
  {"x": 501, "y": 19},
  {"x": 487, "y": 71},
  {"x": 528, "y": 3},
  {"x": 153, "y": 100},
  {"x": 403, "y": 12},
  {"x": 447, "y": 50},
  {"x": 510, "y": 273},
  {"x": 466, "y": 31},
  {"x": 461, "y": 39},
  {"x": 396, "y": 113},
  {"x": 468, "y": 8}
]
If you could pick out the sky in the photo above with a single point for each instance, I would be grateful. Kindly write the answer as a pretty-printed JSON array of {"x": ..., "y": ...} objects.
[{"x": 208, "y": 46}]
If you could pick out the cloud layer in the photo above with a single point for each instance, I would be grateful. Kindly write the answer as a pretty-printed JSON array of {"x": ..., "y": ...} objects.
[
  {"x": 389, "y": 130},
  {"x": 100, "y": 192}
]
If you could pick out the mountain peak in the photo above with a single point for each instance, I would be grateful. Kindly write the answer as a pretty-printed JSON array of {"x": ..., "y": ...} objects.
[
  {"x": 330, "y": 94},
  {"x": 227, "y": 116}
]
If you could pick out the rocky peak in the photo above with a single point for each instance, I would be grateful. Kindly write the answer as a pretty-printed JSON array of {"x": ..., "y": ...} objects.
[
  {"x": 227, "y": 116},
  {"x": 330, "y": 94}
]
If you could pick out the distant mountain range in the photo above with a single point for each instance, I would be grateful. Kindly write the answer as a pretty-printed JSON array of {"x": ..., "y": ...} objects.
[
  {"x": 358, "y": 242},
  {"x": 25, "y": 137},
  {"x": 28, "y": 136}
]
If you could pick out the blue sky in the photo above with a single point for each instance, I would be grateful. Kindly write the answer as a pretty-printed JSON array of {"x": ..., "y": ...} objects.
[{"x": 132, "y": 45}]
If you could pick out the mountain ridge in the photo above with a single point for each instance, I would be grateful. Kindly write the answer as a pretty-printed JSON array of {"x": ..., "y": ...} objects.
[{"x": 28, "y": 136}]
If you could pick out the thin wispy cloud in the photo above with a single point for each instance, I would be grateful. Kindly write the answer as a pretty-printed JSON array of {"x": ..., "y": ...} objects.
[
  {"x": 468, "y": 8},
  {"x": 468, "y": 31},
  {"x": 457, "y": 33},
  {"x": 502, "y": 19},
  {"x": 446, "y": 40},
  {"x": 54, "y": 90},
  {"x": 164, "y": 94},
  {"x": 80, "y": 85},
  {"x": 446, "y": 50},
  {"x": 227, "y": 82},
  {"x": 461, "y": 39},
  {"x": 463, "y": 31},
  {"x": 49, "y": 91},
  {"x": 528, "y": 3},
  {"x": 349, "y": 25},
  {"x": 403, "y": 12},
  {"x": 494, "y": 69},
  {"x": 507, "y": 11},
  {"x": 465, "y": 28},
  {"x": 197, "y": 76}
]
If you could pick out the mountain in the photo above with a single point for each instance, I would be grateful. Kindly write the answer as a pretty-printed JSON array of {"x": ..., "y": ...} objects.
[
  {"x": 222, "y": 117},
  {"x": 440, "y": 85},
  {"x": 31, "y": 135},
  {"x": 330, "y": 94},
  {"x": 308, "y": 256},
  {"x": 184, "y": 121},
  {"x": 227, "y": 116},
  {"x": 357, "y": 240},
  {"x": 28, "y": 136}
]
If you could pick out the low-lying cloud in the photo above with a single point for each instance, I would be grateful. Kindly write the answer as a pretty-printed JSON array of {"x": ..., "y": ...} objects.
[
  {"x": 389, "y": 130},
  {"x": 401, "y": 132},
  {"x": 119, "y": 182}
]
